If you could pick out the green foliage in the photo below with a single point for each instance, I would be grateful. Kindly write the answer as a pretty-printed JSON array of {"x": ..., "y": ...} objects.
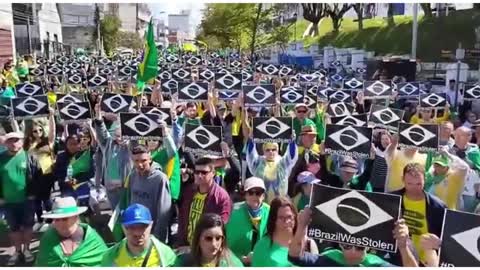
[
  {"x": 129, "y": 40},
  {"x": 109, "y": 29}
]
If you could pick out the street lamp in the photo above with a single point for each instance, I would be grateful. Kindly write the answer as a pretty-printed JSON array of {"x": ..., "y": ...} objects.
[{"x": 295, "y": 29}]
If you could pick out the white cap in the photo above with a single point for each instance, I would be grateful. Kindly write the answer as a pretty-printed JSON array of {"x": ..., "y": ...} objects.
[{"x": 254, "y": 182}]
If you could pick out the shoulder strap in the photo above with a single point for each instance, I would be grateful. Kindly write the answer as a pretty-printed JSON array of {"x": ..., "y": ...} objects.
[{"x": 147, "y": 256}]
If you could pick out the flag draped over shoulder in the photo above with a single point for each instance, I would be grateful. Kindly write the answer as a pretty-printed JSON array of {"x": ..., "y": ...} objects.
[{"x": 148, "y": 69}]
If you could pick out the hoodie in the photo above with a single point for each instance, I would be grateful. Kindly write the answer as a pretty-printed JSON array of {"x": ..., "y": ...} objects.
[{"x": 153, "y": 191}]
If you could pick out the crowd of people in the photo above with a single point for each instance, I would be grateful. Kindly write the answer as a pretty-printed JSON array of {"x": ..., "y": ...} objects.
[{"x": 246, "y": 207}]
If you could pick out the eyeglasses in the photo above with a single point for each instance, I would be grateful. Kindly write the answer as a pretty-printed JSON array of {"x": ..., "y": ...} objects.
[
  {"x": 201, "y": 172},
  {"x": 37, "y": 131},
  {"x": 349, "y": 247},
  {"x": 271, "y": 150},
  {"x": 211, "y": 238},
  {"x": 257, "y": 193}
]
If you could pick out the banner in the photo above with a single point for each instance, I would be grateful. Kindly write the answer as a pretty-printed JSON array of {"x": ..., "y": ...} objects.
[
  {"x": 115, "y": 103},
  {"x": 30, "y": 107},
  {"x": 433, "y": 100},
  {"x": 340, "y": 109},
  {"x": 291, "y": 95},
  {"x": 163, "y": 113},
  {"x": 139, "y": 126},
  {"x": 385, "y": 117},
  {"x": 259, "y": 95},
  {"x": 357, "y": 120},
  {"x": 228, "y": 81},
  {"x": 422, "y": 137},
  {"x": 272, "y": 129},
  {"x": 78, "y": 112},
  {"x": 348, "y": 141},
  {"x": 377, "y": 89},
  {"x": 28, "y": 89},
  {"x": 192, "y": 92},
  {"x": 203, "y": 140}
]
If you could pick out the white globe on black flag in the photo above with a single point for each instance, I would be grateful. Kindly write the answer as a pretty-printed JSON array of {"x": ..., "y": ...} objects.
[
  {"x": 74, "y": 112},
  {"x": 357, "y": 120},
  {"x": 203, "y": 140},
  {"x": 259, "y": 95},
  {"x": 385, "y": 117},
  {"x": 140, "y": 126},
  {"x": 354, "y": 141},
  {"x": 30, "y": 107},
  {"x": 272, "y": 129},
  {"x": 115, "y": 103},
  {"x": 422, "y": 137}
]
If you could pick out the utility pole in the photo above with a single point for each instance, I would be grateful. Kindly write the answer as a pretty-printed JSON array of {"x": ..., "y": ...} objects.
[
  {"x": 414, "y": 31},
  {"x": 28, "y": 35},
  {"x": 459, "y": 55},
  {"x": 137, "y": 26},
  {"x": 97, "y": 15}
]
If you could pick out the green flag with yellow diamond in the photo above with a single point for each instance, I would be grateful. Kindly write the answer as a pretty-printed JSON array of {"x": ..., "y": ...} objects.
[{"x": 148, "y": 69}]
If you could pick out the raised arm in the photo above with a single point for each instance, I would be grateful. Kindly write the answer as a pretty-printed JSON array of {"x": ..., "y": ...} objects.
[{"x": 51, "y": 127}]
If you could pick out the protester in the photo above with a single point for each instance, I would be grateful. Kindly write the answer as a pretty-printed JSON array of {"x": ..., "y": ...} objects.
[
  {"x": 425, "y": 116},
  {"x": 347, "y": 255},
  {"x": 305, "y": 181},
  {"x": 248, "y": 222},
  {"x": 301, "y": 118},
  {"x": 378, "y": 175},
  {"x": 209, "y": 245},
  {"x": 445, "y": 136},
  {"x": 348, "y": 177},
  {"x": 422, "y": 211},
  {"x": 19, "y": 171},
  {"x": 69, "y": 243},
  {"x": 139, "y": 248},
  {"x": 204, "y": 196}
]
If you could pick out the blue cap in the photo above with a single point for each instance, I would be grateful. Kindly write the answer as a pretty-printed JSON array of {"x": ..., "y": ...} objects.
[{"x": 136, "y": 214}]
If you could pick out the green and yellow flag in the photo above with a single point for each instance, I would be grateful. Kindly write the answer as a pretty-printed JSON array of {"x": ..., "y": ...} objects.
[{"x": 148, "y": 69}]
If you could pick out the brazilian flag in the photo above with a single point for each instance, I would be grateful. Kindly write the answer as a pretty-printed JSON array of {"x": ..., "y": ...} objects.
[{"x": 148, "y": 69}]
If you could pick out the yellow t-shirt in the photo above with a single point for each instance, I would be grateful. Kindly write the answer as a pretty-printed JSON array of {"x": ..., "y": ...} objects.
[
  {"x": 196, "y": 211},
  {"x": 211, "y": 264},
  {"x": 436, "y": 120},
  {"x": 126, "y": 259},
  {"x": 236, "y": 124},
  {"x": 396, "y": 163},
  {"x": 416, "y": 219},
  {"x": 45, "y": 160},
  {"x": 450, "y": 189}
]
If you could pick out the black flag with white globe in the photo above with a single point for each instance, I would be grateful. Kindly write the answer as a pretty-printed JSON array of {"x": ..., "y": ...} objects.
[
  {"x": 348, "y": 141},
  {"x": 228, "y": 81},
  {"x": 259, "y": 95},
  {"x": 195, "y": 91},
  {"x": 30, "y": 107},
  {"x": 433, "y": 100},
  {"x": 163, "y": 113},
  {"x": 76, "y": 112},
  {"x": 354, "y": 217},
  {"x": 28, "y": 89},
  {"x": 377, "y": 89},
  {"x": 140, "y": 126},
  {"x": 340, "y": 109},
  {"x": 357, "y": 120},
  {"x": 203, "y": 140},
  {"x": 115, "y": 103},
  {"x": 385, "y": 117},
  {"x": 291, "y": 95},
  {"x": 422, "y": 137},
  {"x": 228, "y": 94},
  {"x": 408, "y": 89},
  {"x": 460, "y": 240},
  {"x": 272, "y": 129},
  {"x": 472, "y": 92},
  {"x": 70, "y": 98}
]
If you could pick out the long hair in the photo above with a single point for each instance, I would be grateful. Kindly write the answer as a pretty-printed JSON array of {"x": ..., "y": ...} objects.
[
  {"x": 208, "y": 221},
  {"x": 275, "y": 206},
  {"x": 29, "y": 138}
]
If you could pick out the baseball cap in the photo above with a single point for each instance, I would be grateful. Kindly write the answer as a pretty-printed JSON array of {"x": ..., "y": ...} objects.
[
  {"x": 349, "y": 165},
  {"x": 301, "y": 105},
  {"x": 441, "y": 160},
  {"x": 136, "y": 214},
  {"x": 12, "y": 135},
  {"x": 307, "y": 177},
  {"x": 254, "y": 182},
  {"x": 308, "y": 129}
]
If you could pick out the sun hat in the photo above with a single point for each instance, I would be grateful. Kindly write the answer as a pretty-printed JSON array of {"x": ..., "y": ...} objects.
[
  {"x": 254, "y": 182},
  {"x": 63, "y": 208},
  {"x": 307, "y": 177},
  {"x": 136, "y": 214},
  {"x": 12, "y": 135},
  {"x": 308, "y": 130}
]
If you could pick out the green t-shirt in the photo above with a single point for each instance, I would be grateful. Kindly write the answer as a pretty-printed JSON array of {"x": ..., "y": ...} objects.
[
  {"x": 270, "y": 254},
  {"x": 13, "y": 175},
  {"x": 81, "y": 164}
]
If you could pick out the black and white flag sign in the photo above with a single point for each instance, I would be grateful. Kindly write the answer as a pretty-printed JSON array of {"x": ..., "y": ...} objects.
[
  {"x": 115, "y": 103},
  {"x": 228, "y": 81},
  {"x": 340, "y": 109},
  {"x": 460, "y": 238},
  {"x": 357, "y": 120},
  {"x": 291, "y": 95},
  {"x": 181, "y": 74},
  {"x": 340, "y": 96},
  {"x": 203, "y": 140},
  {"x": 74, "y": 112},
  {"x": 30, "y": 107},
  {"x": 423, "y": 137},
  {"x": 170, "y": 86},
  {"x": 354, "y": 217},
  {"x": 37, "y": 72},
  {"x": 377, "y": 89},
  {"x": 206, "y": 75},
  {"x": 97, "y": 81},
  {"x": 195, "y": 91},
  {"x": 352, "y": 84},
  {"x": 247, "y": 76},
  {"x": 163, "y": 113},
  {"x": 408, "y": 89},
  {"x": 308, "y": 79},
  {"x": 164, "y": 75},
  {"x": 323, "y": 92},
  {"x": 310, "y": 101},
  {"x": 272, "y": 129},
  {"x": 228, "y": 94},
  {"x": 348, "y": 141},
  {"x": 70, "y": 98},
  {"x": 385, "y": 117},
  {"x": 139, "y": 126},
  {"x": 259, "y": 95},
  {"x": 433, "y": 100},
  {"x": 270, "y": 70},
  {"x": 285, "y": 71},
  {"x": 75, "y": 79},
  {"x": 472, "y": 92},
  {"x": 28, "y": 89}
]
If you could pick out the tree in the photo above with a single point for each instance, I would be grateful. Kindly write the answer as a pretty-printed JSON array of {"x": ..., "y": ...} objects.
[
  {"x": 360, "y": 9},
  {"x": 109, "y": 28},
  {"x": 336, "y": 12},
  {"x": 313, "y": 13},
  {"x": 254, "y": 30},
  {"x": 96, "y": 21},
  {"x": 427, "y": 9},
  {"x": 129, "y": 40},
  {"x": 390, "y": 20}
]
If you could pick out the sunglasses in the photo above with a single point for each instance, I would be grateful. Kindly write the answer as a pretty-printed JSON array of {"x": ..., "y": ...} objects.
[
  {"x": 349, "y": 247},
  {"x": 37, "y": 131},
  {"x": 257, "y": 193},
  {"x": 301, "y": 111},
  {"x": 197, "y": 172},
  {"x": 211, "y": 238}
]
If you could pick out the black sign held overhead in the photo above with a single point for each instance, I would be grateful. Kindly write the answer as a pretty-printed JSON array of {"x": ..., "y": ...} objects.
[
  {"x": 433, "y": 100},
  {"x": 291, "y": 95},
  {"x": 270, "y": 70},
  {"x": 30, "y": 107},
  {"x": 340, "y": 96},
  {"x": 312, "y": 90},
  {"x": 408, "y": 89},
  {"x": 310, "y": 100},
  {"x": 340, "y": 109},
  {"x": 139, "y": 126},
  {"x": 27, "y": 89},
  {"x": 203, "y": 140},
  {"x": 247, "y": 76},
  {"x": 106, "y": 71},
  {"x": 460, "y": 236},
  {"x": 164, "y": 76},
  {"x": 96, "y": 81},
  {"x": 195, "y": 91},
  {"x": 170, "y": 86},
  {"x": 126, "y": 71},
  {"x": 37, "y": 72},
  {"x": 377, "y": 89},
  {"x": 228, "y": 94},
  {"x": 54, "y": 71},
  {"x": 235, "y": 64},
  {"x": 228, "y": 81},
  {"x": 115, "y": 103},
  {"x": 272, "y": 129},
  {"x": 259, "y": 95},
  {"x": 285, "y": 71},
  {"x": 356, "y": 120},
  {"x": 74, "y": 112},
  {"x": 385, "y": 117},
  {"x": 348, "y": 141},
  {"x": 163, "y": 113},
  {"x": 353, "y": 84},
  {"x": 472, "y": 92},
  {"x": 75, "y": 79},
  {"x": 172, "y": 59},
  {"x": 354, "y": 217},
  {"x": 422, "y": 137},
  {"x": 308, "y": 79},
  {"x": 70, "y": 98},
  {"x": 181, "y": 74},
  {"x": 193, "y": 61},
  {"x": 323, "y": 92},
  {"x": 206, "y": 75}
]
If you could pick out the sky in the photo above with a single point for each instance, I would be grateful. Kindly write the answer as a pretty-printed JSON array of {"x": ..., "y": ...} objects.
[{"x": 174, "y": 8}]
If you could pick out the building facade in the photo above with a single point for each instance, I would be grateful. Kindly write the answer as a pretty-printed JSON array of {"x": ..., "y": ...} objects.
[
  {"x": 78, "y": 25},
  {"x": 134, "y": 16},
  {"x": 7, "y": 39}
]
